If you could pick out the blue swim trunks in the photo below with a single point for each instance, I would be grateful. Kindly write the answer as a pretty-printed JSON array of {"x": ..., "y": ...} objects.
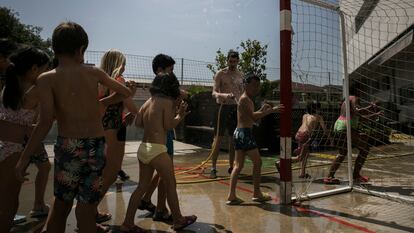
[{"x": 243, "y": 139}]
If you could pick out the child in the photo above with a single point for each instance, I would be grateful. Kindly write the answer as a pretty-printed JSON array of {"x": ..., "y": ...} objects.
[
  {"x": 310, "y": 121},
  {"x": 17, "y": 113},
  {"x": 358, "y": 139},
  {"x": 156, "y": 116},
  {"x": 68, "y": 94},
  {"x": 160, "y": 64},
  {"x": 244, "y": 142},
  {"x": 113, "y": 63}
]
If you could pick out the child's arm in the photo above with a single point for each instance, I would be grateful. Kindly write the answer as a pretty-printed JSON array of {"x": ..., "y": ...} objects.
[
  {"x": 139, "y": 119},
  {"x": 265, "y": 110},
  {"x": 169, "y": 114},
  {"x": 112, "y": 84},
  {"x": 40, "y": 131}
]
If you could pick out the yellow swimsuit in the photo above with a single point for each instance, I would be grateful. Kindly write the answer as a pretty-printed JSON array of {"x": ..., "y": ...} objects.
[{"x": 148, "y": 151}]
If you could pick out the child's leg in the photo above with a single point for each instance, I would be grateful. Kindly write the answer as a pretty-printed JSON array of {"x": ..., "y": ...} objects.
[
  {"x": 40, "y": 185},
  {"x": 114, "y": 156},
  {"x": 58, "y": 215},
  {"x": 145, "y": 174},
  {"x": 162, "y": 196},
  {"x": 86, "y": 216},
  {"x": 153, "y": 185},
  {"x": 363, "y": 147},
  {"x": 238, "y": 166},
  {"x": 304, "y": 158},
  {"x": 164, "y": 166},
  {"x": 9, "y": 192},
  {"x": 257, "y": 167},
  {"x": 231, "y": 152}
]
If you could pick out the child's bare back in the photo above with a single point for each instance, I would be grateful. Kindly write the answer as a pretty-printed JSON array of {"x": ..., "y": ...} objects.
[
  {"x": 156, "y": 118},
  {"x": 309, "y": 122},
  {"x": 73, "y": 91}
]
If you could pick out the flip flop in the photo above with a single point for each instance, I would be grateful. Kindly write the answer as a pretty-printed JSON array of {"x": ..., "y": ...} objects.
[
  {"x": 99, "y": 228},
  {"x": 134, "y": 229},
  {"x": 236, "y": 201},
  {"x": 103, "y": 217},
  {"x": 331, "y": 180},
  {"x": 39, "y": 213},
  {"x": 361, "y": 179},
  {"x": 188, "y": 221},
  {"x": 263, "y": 198}
]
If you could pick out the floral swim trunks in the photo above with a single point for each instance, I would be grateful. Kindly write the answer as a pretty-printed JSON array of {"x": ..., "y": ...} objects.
[{"x": 78, "y": 169}]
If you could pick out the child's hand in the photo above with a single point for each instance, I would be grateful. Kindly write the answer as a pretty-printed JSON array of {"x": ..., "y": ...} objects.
[
  {"x": 129, "y": 119},
  {"x": 230, "y": 96},
  {"x": 132, "y": 86},
  {"x": 182, "y": 109},
  {"x": 280, "y": 108},
  {"x": 380, "y": 113}
]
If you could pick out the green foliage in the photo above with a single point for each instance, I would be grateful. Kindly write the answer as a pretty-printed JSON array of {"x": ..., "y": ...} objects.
[
  {"x": 193, "y": 90},
  {"x": 252, "y": 59},
  {"x": 13, "y": 29}
]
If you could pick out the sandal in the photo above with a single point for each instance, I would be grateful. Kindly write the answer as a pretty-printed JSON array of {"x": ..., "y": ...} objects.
[
  {"x": 264, "y": 198},
  {"x": 103, "y": 217},
  {"x": 40, "y": 213},
  {"x": 361, "y": 179},
  {"x": 188, "y": 221},
  {"x": 236, "y": 201},
  {"x": 133, "y": 229},
  {"x": 147, "y": 205},
  {"x": 331, "y": 180},
  {"x": 99, "y": 228},
  {"x": 306, "y": 176},
  {"x": 162, "y": 216}
]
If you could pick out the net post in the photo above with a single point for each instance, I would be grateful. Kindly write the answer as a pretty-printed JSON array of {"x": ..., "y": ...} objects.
[
  {"x": 286, "y": 100},
  {"x": 346, "y": 95}
]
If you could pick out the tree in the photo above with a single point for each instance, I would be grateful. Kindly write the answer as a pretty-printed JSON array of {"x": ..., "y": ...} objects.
[
  {"x": 252, "y": 59},
  {"x": 13, "y": 29}
]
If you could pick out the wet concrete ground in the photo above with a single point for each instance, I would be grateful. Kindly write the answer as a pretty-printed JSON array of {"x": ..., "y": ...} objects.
[{"x": 390, "y": 168}]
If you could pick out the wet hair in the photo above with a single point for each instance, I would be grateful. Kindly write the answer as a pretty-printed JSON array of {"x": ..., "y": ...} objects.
[
  {"x": 312, "y": 106},
  {"x": 165, "y": 85},
  {"x": 21, "y": 62},
  {"x": 68, "y": 37},
  {"x": 161, "y": 61},
  {"x": 6, "y": 47},
  {"x": 112, "y": 62},
  {"x": 249, "y": 77},
  {"x": 232, "y": 54}
]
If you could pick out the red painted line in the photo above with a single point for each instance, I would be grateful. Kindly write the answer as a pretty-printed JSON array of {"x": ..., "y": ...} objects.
[
  {"x": 302, "y": 209},
  {"x": 333, "y": 219}
]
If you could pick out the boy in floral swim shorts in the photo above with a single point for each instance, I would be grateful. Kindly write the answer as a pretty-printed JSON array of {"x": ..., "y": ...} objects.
[{"x": 69, "y": 94}]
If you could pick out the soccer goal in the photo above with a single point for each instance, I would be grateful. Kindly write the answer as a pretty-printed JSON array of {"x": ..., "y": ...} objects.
[{"x": 331, "y": 50}]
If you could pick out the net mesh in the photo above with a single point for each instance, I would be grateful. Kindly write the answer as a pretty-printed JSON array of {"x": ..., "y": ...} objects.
[{"x": 380, "y": 52}]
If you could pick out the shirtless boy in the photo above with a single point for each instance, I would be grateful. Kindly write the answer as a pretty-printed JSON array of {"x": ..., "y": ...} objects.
[
  {"x": 69, "y": 94},
  {"x": 244, "y": 142}
]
